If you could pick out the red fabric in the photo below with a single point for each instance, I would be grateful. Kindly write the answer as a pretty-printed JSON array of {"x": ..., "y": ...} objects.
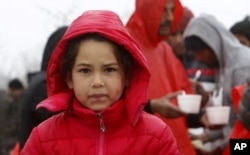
[
  {"x": 168, "y": 74},
  {"x": 79, "y": 133},
  {"x": 77, "y": 130},
  {"x": 16, "y": 149},
  {"x": 239, "y": 131},
  {"x": 187, "y": 16},
  {"x": 236, "y": 95}
]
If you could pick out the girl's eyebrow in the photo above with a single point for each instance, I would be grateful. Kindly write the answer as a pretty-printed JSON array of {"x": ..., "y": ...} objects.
[
  {"x": 111, "y": 64},
  {"x": 105, "y": 65},
  {"x": 83, "y": 64}
]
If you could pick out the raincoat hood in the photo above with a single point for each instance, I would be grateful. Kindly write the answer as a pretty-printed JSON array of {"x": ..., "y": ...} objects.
[
  {"x": 109, "y": 25},
  {"x": 147, "y": 17},
  {"x": 228, "y": 50}
]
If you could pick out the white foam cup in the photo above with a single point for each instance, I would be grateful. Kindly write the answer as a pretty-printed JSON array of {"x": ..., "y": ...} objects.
[
  {"x": 189, "y": 103},
  {"x": 208, "y": 86},
  {"x": 218, "y": 115}
]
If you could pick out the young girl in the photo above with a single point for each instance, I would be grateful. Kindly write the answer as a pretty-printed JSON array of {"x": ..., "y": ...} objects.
[{"x": 97, "y": 77}]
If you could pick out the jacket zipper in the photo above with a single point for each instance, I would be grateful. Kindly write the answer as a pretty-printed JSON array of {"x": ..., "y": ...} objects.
[{"x": 103, "y": 129}]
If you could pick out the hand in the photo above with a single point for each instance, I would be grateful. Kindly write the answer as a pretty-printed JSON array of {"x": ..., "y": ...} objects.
[
  {"x": 164, "y": 106},
  {"x": 206, "y": 123},
  {"x": 202, "y": 137}
]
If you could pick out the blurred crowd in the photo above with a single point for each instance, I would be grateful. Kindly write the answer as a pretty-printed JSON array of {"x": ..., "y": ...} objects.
[{"x": 184, "y": 53}]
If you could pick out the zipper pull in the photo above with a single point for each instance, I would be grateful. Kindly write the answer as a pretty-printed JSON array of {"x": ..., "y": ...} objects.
[{"x": 102, "y": 126}]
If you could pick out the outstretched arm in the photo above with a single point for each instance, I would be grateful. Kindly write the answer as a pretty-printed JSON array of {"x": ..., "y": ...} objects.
[{"x": 164, "y": 106}]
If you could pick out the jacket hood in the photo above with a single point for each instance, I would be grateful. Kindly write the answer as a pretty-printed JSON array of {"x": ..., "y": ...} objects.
[
  {"x": 226, "y": 47},
  {"x": 109, "y": 25},
  {"x": 187, "y": 15},
  {"x": 147, "y": 16}
]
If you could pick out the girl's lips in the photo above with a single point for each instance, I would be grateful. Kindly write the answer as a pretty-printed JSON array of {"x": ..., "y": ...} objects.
[{"x": 98, "y": 97}]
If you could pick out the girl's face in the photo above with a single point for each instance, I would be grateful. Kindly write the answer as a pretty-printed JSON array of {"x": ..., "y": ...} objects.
[{"x": 97, "y": 78}]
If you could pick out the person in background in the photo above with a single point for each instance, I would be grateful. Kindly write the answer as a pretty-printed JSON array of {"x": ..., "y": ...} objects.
[
  {"x": 15, "y": 91},
  {"x": 150, "y": 28},
  {"x": 192, "y": 66},
  {"x": 10, "y": 116},
  {"x": 36, "y": 91},
  {"x": 241, "y": 31},
  {"x": 215, "y": 46},
  {"x": 241, "y": 101},
  {"x": 175, "y": 40},
  {"x": 98, "y": 78}
]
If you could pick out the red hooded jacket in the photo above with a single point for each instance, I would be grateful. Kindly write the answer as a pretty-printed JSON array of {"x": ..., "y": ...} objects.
[
  {"x": 120, "y": 129},
  {"x": 168, "y": 74}
]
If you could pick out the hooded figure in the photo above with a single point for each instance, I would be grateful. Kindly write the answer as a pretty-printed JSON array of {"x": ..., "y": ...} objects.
[
  {"x": 36, "y": 91},
  {"x": 187, "y": 15},
  {"x": 232, "y": 59},
  {"x": 167, "y": 72},
  {"x": 121, "y": 128}
]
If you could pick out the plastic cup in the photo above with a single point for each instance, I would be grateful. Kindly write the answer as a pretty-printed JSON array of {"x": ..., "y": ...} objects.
[
  {"x": 208, "y": 86},
  {"x": 189, "y": 103},
  {"x": 218, "y": 115},
  {"x": 196, "y": 131}
]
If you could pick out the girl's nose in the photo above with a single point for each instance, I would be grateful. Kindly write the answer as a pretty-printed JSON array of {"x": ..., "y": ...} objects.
[{"x": 97, "y": 81}]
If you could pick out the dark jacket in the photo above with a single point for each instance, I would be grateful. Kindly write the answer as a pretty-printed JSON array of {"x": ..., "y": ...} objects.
[
  {"x": 37, "y": 91},
  {"x": 10, "y": 125},
  {"x": 192, "y": 65}
]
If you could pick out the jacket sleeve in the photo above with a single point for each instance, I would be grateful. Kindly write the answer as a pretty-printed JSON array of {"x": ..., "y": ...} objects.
[
  {"x": 240, "y": 76},
  {"x": 33, "y": 145},
  {"x": 167, "y": 143}
]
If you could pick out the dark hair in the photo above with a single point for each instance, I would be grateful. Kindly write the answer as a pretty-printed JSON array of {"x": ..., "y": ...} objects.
[
  {"x": 52, "y": 41},
  {"x": 242, "y": 28},
  {"x": 123, "y": 57},
  {"x": 194, "y": 43},
  {"x": 15, "y": 84},
  {"x": 247, "y": 18}
]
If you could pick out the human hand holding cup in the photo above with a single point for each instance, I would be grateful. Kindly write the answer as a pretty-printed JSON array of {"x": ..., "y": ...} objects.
[{"x": 216, "y": 117}]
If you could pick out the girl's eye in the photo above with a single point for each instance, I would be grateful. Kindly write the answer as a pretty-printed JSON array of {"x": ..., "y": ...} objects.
[
  {"x": 110, "y": 69},
  {"x": 85, "y": 70}
]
